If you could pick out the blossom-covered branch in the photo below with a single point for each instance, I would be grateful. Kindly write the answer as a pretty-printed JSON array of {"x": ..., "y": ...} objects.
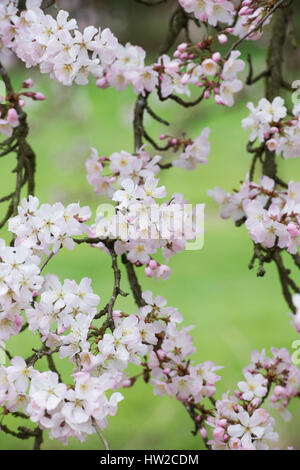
[{"x": 101, "y": 344}]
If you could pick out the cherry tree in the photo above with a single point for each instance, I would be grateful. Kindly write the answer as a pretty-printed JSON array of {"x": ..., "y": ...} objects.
[{"x": 144, "y": 220}]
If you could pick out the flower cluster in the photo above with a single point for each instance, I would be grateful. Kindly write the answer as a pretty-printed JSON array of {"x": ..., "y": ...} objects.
[
  {"x": 64, "y": 314},
  {"x": 239, "y": 18},
  {"x": 279, "y": 371},
  {"x": 272, "y": 216},
  {"x": 240, "y": 422},
  {"x": 197, "y": 65},
  {"x": 211, "y": 11},
  {"x": 102, "y": 345},
  {"x": 80, "y": 408},
  {"x": 138, "y": 223},
  {"x": 195, "y": 152},
  {"x": 48, "y": 227},
  {"x": 154, "y": 331},
  {"x": 169, "y": 363},
  {"x": 64, "y": 411},
  {"x": 38, "y": 232},
  {"x": 20, "y": 282},
  {"x": 251, "y": 14},
  {"x": 68, "y": 55},
  {"x": 267, "y": 123}
]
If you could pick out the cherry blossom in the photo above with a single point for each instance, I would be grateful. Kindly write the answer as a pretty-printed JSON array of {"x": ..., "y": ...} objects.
[{"x": 101, "y": 344}]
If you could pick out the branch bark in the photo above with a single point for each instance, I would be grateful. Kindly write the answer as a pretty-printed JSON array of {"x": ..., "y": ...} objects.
[{"x": 274, "y": 79}]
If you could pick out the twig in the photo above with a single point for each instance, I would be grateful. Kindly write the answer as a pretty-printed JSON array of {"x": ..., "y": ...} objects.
[
  {"x": 151, "y": 4},
  {"x": 250, "y": 80},
  {"x": 133, "y": 282},
  {"x": 47, "y": 260},
  {"x": 38, "y": 354},
  {"x": 38, "y": 441},
  {"x": 155, "y": 116},
  {"x": 98, "y": 430}
]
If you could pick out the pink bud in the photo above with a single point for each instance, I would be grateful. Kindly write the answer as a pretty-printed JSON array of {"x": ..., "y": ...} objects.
[
  {"x": 126, "y": 383},
  {"x": 34, "y": 96},
  {"x": 218, "y": 433},
  {"x": 12, "y": 117},
  {"x": 256, "y": 402},
  {"x": 21, "y": 103},
  {"x": 216, "y": 57},
  {"x": 182, "y": 47},
  {"x": 222, "y": 423},
  {"x": 222, "y": 38},
  {"x": 207, "y": 94},
  {"x": 245, "y": 11},
  {"x": 203, "y": 432},
  {"x": 102, "y": 83},
  {"x": 153, "y": 264},
  {"x": 39, "y": 96},
  {"x": 29, "y": 83},
  {"x": 148, "y": 271},
  {"x": 161, "y": 354},
  {"x": 166, "y": 371}
]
